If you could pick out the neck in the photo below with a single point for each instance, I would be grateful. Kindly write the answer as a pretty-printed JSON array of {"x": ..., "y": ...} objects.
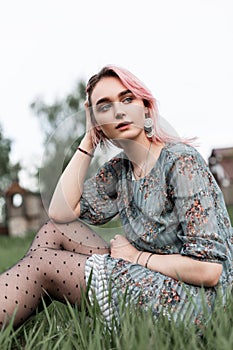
[
  {"x": 136, "y": 151},
  {"x": 142, "y": 155},
  {"x": 138, "y": 154}
]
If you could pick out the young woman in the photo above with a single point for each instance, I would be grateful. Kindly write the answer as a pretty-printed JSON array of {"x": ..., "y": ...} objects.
[{"x": 176, "y": 253}]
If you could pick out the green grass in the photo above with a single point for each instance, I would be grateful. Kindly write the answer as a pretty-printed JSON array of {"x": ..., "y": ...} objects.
[
  {"x": 230, "y": 211},
  {"x": 63, "y": 327},
  {"x": 12, "y": 249}
]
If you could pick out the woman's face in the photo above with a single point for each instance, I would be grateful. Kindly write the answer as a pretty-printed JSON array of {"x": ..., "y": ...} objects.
[{"x": 118, "y": 113}]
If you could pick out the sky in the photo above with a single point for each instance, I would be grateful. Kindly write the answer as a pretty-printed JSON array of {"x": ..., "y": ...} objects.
[{"x": 181, "y": 49}]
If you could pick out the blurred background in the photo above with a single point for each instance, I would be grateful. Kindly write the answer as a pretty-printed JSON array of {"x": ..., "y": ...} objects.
[{"x": 182, "y": 50}]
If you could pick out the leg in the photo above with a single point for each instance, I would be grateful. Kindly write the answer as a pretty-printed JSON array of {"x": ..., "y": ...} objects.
[
  {"x": 74, "y": 236},
  {"x": 54, "y": 264}
]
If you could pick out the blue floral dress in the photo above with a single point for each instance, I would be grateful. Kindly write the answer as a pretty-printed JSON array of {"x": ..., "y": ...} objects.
[{"x": 177, "y": 208}]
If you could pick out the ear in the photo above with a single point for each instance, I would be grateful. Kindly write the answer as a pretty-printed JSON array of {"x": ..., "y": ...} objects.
[{"x": 146, "y": 110}]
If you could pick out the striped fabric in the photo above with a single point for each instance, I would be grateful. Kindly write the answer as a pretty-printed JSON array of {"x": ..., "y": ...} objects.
[{"x": 114, "y": 280}]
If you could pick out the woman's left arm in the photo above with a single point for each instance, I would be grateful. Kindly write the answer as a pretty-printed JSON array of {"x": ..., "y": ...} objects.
[
  {"x": 184, "y": 268},
  {"x": 176, "y": 266}
]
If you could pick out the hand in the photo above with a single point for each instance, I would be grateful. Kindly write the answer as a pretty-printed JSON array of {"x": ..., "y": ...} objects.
[
  {"x": 121, "y": 248},
  {"x": 90, "y": 136},
  {"x": 89, "y": 125}
]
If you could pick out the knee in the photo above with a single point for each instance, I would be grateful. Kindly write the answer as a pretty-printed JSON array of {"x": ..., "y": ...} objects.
[{"x": 53, "y": 226}]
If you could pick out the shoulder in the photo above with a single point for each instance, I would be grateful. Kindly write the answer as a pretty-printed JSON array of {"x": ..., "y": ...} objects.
[
  {"x": 179, "y": 151},
  {"x": 184, "y": 157}
]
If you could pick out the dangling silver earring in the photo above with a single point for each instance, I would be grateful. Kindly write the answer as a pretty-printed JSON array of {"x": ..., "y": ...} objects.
[{"x": 149, "y": 127}]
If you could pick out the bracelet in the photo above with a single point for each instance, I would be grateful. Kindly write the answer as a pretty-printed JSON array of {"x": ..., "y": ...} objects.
[
  {"x": 139, "y": 256},
  {"x": 85, "y": 152},
  {"x": 149, "y": 256}
]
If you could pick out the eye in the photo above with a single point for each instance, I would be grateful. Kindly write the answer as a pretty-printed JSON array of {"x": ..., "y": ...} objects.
[
  {"x": 104, "y": 108},
  {"x": 127, "y": 99}
]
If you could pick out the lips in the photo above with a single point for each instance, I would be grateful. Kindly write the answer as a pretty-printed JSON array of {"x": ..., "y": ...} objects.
[{"x": 123, "y": 124}]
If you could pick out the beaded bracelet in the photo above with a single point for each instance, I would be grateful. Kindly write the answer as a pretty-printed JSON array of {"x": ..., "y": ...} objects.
[
  {"x": 149, "y": 256},
  {"x": 139, "y": 256},
  {"x": 85, "y": 152}
]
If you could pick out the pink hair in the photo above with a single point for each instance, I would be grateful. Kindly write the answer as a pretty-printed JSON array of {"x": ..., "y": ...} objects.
[{"x": 131, "y": 82}]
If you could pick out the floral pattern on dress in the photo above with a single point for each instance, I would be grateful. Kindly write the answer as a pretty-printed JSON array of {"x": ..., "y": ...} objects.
[{"x": 177, "y": 208}]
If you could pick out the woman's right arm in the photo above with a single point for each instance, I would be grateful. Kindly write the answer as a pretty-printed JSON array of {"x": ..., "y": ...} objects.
[{"x": 65, "y": 202}]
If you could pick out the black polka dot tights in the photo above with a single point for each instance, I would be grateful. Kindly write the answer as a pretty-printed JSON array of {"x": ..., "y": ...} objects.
[{"x": 53, "y": 265}]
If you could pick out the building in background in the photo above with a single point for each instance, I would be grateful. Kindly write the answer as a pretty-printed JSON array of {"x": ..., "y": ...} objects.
[
  {"x": 221, "y": 165},
  {"x": 24, "y": 211}
]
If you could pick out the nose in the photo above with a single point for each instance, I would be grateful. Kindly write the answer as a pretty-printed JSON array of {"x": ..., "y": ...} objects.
[{"x": 119, "y": 114}]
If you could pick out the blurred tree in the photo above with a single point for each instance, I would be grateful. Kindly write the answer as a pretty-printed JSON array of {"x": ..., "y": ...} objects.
[
  {"x": 52, "y": 115},
  {"x": 8, "y": 171},
  {"x": 63, "y": 125}
]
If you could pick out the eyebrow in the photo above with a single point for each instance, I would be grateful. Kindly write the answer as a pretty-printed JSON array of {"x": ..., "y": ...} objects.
[{"x": 106, "y": 99}]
